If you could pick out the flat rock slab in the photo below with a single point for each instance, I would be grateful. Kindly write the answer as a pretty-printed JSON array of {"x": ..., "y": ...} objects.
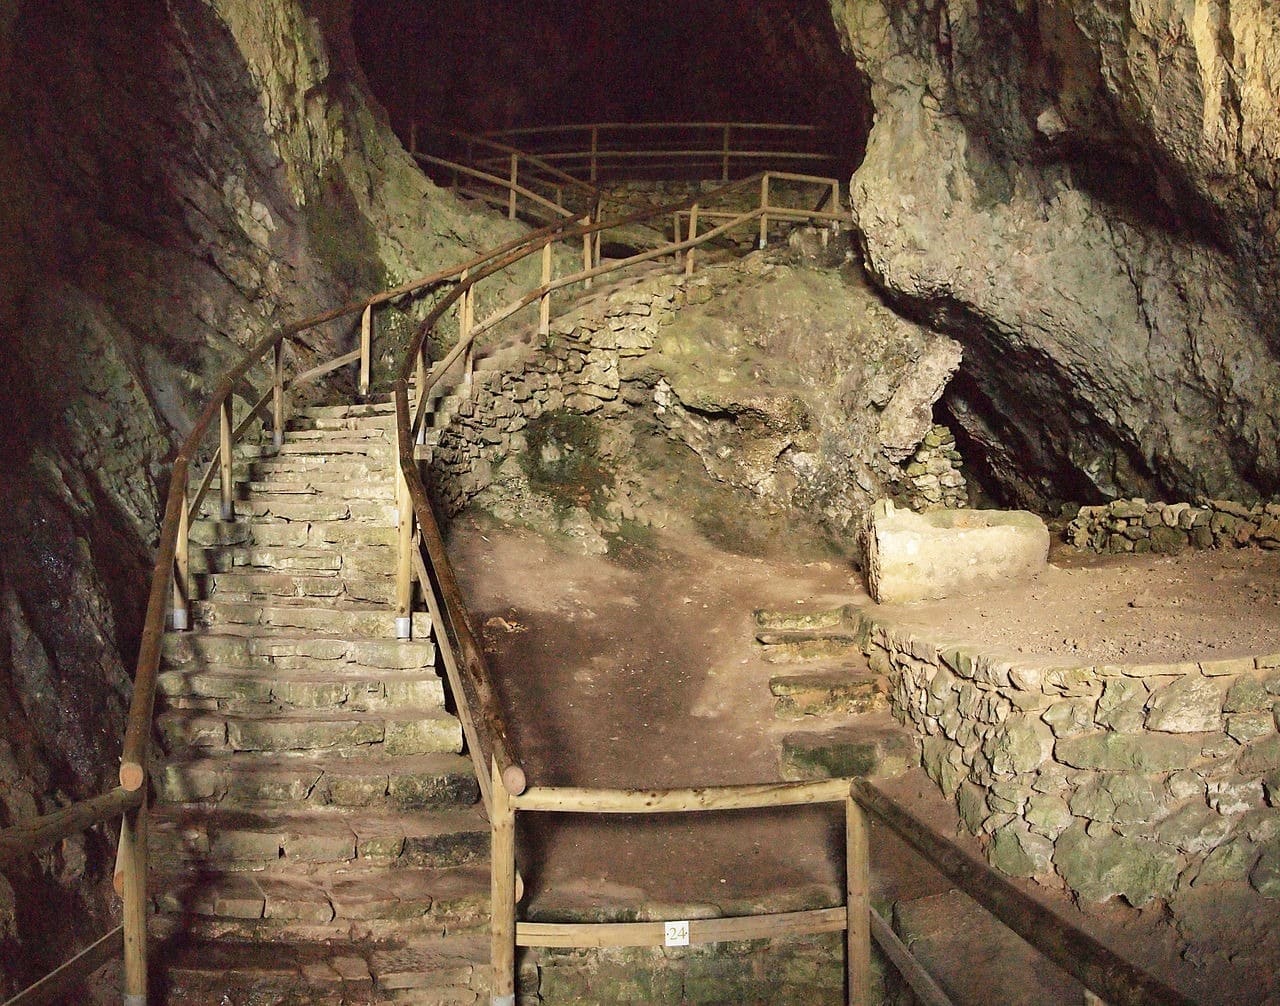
[
  {"x": 975, "y": 958},
  {"x": 943, "y": 553}
]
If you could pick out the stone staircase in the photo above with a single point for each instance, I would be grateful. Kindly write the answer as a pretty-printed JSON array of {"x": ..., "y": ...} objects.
[
  {"x": 316, "y": 828},
  {"x": 837, "y": 703}
]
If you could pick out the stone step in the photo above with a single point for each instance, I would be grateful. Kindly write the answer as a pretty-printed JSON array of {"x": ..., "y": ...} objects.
[
  {"x": 335, "y": 900},
  {"x": 291, "y": 534},
  {"x": 433, "y": 969},
  {"x": 356, "y": 563},
  {"x": 243, "y": 587},
  {"x": 243, "y": 646},
  {"x": 307, "y": 485},
  {"x": 245, "y": 839},
  {"x": 344, "y": 618},
  {"x": 828, "y": 691},
  {"x": 300, "y": 467},
  {"x": 837, "y": 642},
  {"x": 799, "y": 621},
  {"x": 378, "y": 421},
  {"x": 347, "y": 411},
  {"x": 289, "y": 507},
  {"x": 348, "y": 732},
  {"x": 378, "y": 450},
  {"x": 238, "y": 689},
  {"x": 873, "y": 747},
  {"x": 352, "y": 430},
  {"x": 421, "y": 782}
]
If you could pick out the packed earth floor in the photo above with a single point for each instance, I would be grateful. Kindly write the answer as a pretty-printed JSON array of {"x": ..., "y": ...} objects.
[{"x": 640, "y": 669}]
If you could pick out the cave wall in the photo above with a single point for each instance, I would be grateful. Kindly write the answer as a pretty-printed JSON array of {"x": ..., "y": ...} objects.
[
  {"x": 1085, "y": 195},
  {"x": 178, "y": 178}
]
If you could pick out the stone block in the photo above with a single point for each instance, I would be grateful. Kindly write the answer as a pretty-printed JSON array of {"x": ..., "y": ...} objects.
[
  {"x": 1195, "y": 828},
  {"x": 1229, "y": 862},
  {"x": 1118, "y": 798},
  {"x": 1130, "y": 752},
  {"x": 912, "y": 556},
  {"x": 1101, "y": 866},
  {"x": 1192, "y": 704}
]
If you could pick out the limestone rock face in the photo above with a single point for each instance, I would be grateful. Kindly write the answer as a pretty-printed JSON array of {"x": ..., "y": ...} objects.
[{"x": 1085, "y": 195}]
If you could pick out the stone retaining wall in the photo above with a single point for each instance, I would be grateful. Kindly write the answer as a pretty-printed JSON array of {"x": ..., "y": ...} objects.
[
  {"x": 586, "y": 360},
  {"x": 1115, "y": 780},
  {"x": 1134, "y": 525}
]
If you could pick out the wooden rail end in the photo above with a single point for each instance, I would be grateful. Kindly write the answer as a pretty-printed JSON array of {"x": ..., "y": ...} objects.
[
  {"x": 513, "y": 778},
  {"x": 132, "y": 775}
]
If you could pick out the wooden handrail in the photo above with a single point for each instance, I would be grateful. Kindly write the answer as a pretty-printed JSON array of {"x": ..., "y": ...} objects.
[
  {"x": 1097, "y": 967},
  {"x": 28, "y": 836}
]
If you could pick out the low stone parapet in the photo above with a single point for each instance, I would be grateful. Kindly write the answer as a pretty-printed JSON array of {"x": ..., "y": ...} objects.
[
  {"x": 1135, "y": 525},
  {"x": 1129, "y": 780}
]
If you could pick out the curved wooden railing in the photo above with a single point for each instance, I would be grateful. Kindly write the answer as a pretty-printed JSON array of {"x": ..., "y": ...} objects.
[{"x": 606, "y": 151}]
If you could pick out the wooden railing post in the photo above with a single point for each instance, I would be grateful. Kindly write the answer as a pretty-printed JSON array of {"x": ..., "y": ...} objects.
[
  {"x": 724, "y": 173},
  {"x": 693, "y": 233},
  {"x": 420, "y": 389},
  {"x": 511, "y": 196},
  {"x": 224, "y": 460},
  {"x": 502, "y": 895},
  {"x": 764, "y": 206},
  {"x": 463, "y": 307},
  {"x": 586, "y": 252},
  {"x": 858, "y": 902},
  {"x": 413, "y": 136},
  {"x": 132, "y": 857},
  {"x": 366, "y": 349},
  {"x": 544, "y": 302},
  {"x": 404, "y": 556},
  {"x": 277, "y": 409},
  {"x": 182, "y": 569},
  {"x": 595, "y": 147}
]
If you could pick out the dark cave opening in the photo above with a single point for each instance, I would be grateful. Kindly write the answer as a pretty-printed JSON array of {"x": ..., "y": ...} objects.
[{"x": 478, "y": 65}]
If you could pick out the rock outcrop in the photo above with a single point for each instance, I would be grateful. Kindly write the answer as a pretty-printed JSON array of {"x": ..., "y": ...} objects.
[{"x": 1085, "y": 196}]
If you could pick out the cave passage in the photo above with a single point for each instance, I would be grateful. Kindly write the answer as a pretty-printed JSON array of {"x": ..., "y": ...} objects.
[{"x": 478, "y": 65}]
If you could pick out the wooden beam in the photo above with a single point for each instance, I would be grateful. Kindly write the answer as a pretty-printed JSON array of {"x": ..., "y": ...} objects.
[
  {"x": 653, "y": 934},
  {"x": 41, "y": 832},
  {"x": 1095, "y": 966},
  {"x": 572, "y": 799}
]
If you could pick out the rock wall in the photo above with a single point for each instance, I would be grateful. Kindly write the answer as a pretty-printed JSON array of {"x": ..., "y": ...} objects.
[
  {"x": 1085, "y": 195},
  {"x": 791, "y": 385},
  {"x": 177, "y": 179},
  {"x": 1135, "y": 525},
  {"x": 1136, "y": 781}
]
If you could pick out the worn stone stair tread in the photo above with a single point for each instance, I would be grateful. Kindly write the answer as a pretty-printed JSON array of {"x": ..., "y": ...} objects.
[
  {"x": 339, "y": 617},
  {"x": 874, "y": 746},
  {"x": 233, "y": 642},
  {"x": 425, "y": 962},
  {"x": 781, "y": 620},
  {"x": 343, "y": 687},
  {"x": 290, "y": 534},
  {"x": 268, "y": 506},
  {"x": 364, "y": 488},
  {"x": 273, "y": 588},
  {"x": 245, "y": 558},
  {"x": 349, "y": 411},
  {"x": 831, "y": 690},
  {"x": 254, "y": 836},
  {"x": 378, "y": 421},
  {"x": 830, "y": 634},
  {"x": 374, "y": 779},
  {"x": 407, "y": 731},
  {"x": 319, "y": 892}
]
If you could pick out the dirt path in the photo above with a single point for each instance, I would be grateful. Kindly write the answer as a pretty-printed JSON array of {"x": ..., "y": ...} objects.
[{"x": 641, "y": 670}]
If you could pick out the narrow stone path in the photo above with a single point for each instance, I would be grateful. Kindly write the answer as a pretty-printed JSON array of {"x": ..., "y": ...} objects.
[{"x": 316, "y": 828}]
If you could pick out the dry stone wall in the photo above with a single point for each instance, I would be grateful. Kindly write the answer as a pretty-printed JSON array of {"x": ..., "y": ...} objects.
[
  {"x": 1134, "y": 781},
  {"x": 1134, "y": 525}
]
